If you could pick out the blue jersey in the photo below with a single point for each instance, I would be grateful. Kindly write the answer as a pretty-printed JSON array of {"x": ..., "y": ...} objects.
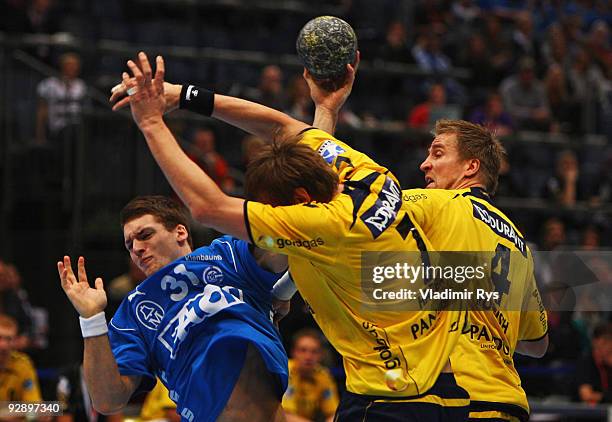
[{"x": 190, "y": 324}]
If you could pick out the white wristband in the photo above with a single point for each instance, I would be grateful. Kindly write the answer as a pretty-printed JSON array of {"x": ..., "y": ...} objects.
[
  {"x": 94, "y": 325},
  {"x": 284, "y": 288}
]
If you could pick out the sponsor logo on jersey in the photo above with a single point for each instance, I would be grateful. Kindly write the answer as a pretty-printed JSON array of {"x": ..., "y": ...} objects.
[
  {"x": 414, "y": 198},
  {"x": 500, "y": 226},
  {"x": 212, "y": 275},
  {"x": 329, "y": 150},
  {"x": 150, "y": 314},
  {"x": 300, "y": 243},
  {"x": 204, "y": 258},
  {"x": 382, "y": 214}
]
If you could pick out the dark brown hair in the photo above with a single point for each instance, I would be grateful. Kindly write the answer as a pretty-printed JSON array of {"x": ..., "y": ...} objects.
[
  {"x": 282, "y": 167},
  {"x": 167, "y": 211},
  {"x": 475, "y": 141}
]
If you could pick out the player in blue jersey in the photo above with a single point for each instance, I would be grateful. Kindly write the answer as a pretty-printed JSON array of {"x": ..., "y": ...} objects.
[{"x": 201, "y": 322}]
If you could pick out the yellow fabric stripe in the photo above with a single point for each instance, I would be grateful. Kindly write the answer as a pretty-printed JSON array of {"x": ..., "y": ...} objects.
[
  {"x": 493, "y": 414},
  {"x": 441, "y": 401}
]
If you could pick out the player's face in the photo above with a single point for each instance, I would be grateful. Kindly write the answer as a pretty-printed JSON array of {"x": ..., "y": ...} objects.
[
  {"x": 307, "y": 353},
  {"x": 7, "y": 337},
  {"x": 443, "y": 167},
  {"x": 150, "y": 245}
]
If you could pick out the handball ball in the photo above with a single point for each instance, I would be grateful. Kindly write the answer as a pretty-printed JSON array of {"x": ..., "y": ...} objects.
[{"x": 325, "y": 46}]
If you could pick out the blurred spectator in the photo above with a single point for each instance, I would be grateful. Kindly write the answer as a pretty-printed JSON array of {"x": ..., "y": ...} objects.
[
  {"x": 554, "y": 48},
  {"x": 590, "y": 238},
  {"x": 598, "y": 43},
  {"x": 61, "y": 102},
  {"x": 523, "y": 41},
  {"x": 585, "y": 80},
  {"x": 427, "y": 53},
  {"x": 42, "y": 17},
  {"x": 270, "y": 90},
  {"x": 420, "y": 116},
  {"x": 18, "y": 380},
  {"x": 493, "y": 116},
  {"x": 14, "y": 303},
  {"x": 466, "y": 11},
  {"x": 311, "y": 393},
  {"x": 202, "y": 151},
  {"x": 594, "y": 371},
  {"x": 158, "y": 406},
  {"x": 301, "y": 106},
  {"x": 498, "y": 46},
  {"x": 567, "y": 186},
  {"x": 71, "y": 392},
  {"x": 120, "y": 286},
  {"x": 525, "y": 98},
  {"x": 553, "y": 234},
  {"x": 476, "y": 57},
  {"x": 28, "y": 16},
  {"x": 565, "y": 113},
  {"x": 395, "y": 47}
]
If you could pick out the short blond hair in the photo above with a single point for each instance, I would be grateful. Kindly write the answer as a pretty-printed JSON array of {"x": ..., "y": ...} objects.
[{"x": 476, "y": 141}]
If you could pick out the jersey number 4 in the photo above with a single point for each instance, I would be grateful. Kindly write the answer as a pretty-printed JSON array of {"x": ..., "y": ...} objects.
[{"x": 501, "y": 262}]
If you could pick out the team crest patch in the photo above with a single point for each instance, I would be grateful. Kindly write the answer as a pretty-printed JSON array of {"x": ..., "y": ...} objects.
[
  {"x": 149, "y": 314},
  {"x": 212, "y": 275},
  {"x": 329, "y": 150}
]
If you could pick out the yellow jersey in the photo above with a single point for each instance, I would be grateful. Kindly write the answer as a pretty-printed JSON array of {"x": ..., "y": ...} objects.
[
  {"x": 18, "y": 380},
  {"x": 310, "y": 396},
  {"x": 157, "y": 403},
  {"x": 466, "y": 220},
  {"x": 325, "y": 243}
]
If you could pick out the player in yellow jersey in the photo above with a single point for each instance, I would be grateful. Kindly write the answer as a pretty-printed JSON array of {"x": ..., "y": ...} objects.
[
  {"x": 456, "y": 213},
  {"x": 18, "y": 380},
  {"x": 311, "y": 393},
  {"x": 158, "y": 406},
  {"x": 323, "y": 232}
]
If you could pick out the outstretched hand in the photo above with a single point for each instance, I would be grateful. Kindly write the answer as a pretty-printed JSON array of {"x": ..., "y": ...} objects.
[
  {"x": 119, "y": 98},
  {"x": 86, "y": 300},
  {"x": 146, "y": 94},
  {"x": 332, "y": 100}
]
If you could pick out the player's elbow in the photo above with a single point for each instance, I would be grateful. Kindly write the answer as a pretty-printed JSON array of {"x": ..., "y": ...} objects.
[{"x": 534, "y": 349}]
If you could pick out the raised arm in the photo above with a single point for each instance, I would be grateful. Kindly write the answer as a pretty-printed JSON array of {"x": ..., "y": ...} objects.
[
  {"x": 207, "y": 203},
  {"x": 256, "y": 119},
  {"x": 109, "y": 390},
  {"x": 328, "y": 103}
]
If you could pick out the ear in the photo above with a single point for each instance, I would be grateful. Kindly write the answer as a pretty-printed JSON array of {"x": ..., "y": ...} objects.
[
  {"x": 472, "y": 166},
  {"x": 301, "y": 196},
  {"x": 181, "y": 233}
]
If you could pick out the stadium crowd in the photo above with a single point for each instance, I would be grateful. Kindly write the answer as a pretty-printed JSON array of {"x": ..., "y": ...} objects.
[{"x": 538, "y": 73}]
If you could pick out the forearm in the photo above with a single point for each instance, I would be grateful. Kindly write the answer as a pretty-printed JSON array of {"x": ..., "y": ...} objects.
[
  {"x": 109, "y": 393},
  {"x": 207, "y": 203},
  {"x": 256, "y": 119},
  {"x": 325, "y": 119}
]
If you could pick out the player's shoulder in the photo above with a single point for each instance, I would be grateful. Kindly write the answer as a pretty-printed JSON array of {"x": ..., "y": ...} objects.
[
  {"x": 430, "y": 199},
  {"x": 415, "y": 195},
  {"x": 20, "y": 361}
]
